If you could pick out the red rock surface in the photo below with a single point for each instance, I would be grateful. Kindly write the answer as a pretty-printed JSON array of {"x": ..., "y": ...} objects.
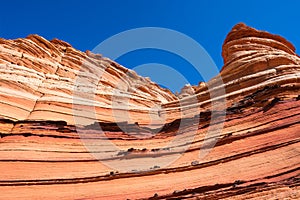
[{"x": 256, "y": 154}]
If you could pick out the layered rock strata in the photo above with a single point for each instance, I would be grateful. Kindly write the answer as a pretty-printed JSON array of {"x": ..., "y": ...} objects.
[{"x": 44, "y": 152}]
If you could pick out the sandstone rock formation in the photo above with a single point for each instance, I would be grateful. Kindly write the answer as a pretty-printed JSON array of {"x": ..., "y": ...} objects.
[
  {"x": 59, "y": 107},
  {"x": 186, "y": 91}
]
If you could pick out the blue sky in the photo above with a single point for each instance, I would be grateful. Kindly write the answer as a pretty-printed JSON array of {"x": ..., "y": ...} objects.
[{"x": 84, "y": 24}]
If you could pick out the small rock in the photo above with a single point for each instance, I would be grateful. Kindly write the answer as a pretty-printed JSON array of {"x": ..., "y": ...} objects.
[{"x": 194, "y": 163}]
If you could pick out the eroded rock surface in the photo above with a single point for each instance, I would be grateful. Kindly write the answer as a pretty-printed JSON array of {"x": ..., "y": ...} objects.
[
  {"x": 255, "y": 153},
  {"x": 39, "y": 77}
]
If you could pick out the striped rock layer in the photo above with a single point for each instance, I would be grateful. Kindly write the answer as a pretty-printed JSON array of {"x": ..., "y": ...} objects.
[{"x": 77, "y": 125}]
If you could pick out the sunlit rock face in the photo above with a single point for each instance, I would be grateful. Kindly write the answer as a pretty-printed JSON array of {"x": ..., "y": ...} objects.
[
  {"x": 39, "y": 78},
  {"x": 53, "y": 97},
  {"x": 186, "y": 91}
]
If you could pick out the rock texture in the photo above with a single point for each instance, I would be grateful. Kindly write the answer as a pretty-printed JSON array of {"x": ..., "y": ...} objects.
[
  {"x": 38, "y": 78},
  {"x": 48, "y": 90}
]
